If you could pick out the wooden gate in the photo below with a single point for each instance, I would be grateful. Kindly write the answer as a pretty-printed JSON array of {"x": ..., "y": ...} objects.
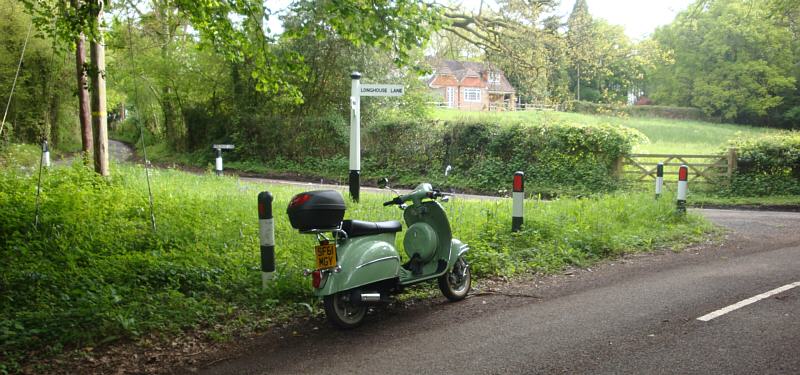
[{"x": 709, "y": 168}]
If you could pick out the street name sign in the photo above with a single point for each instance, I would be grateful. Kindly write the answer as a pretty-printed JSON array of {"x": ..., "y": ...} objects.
[
  {"x": 222, "y": 147},
  {"x": 381, "y": 90}
]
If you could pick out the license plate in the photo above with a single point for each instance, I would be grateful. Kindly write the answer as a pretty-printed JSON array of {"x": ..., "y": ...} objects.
[{"x": 326, "y": 256}]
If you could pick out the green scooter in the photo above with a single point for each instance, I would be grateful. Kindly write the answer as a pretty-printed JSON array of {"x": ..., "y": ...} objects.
[{"x": 357, "y": 263}]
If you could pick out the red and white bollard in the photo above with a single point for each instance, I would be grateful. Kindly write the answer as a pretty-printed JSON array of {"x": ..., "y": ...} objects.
[
  {"x": 518, "y": 205},
  {"x": 266, "y": 236},
  {"x": 683, "y": 187}
]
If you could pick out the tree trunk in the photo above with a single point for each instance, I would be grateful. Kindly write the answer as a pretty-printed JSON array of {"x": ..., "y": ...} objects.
[
  {"x": 99, "y": 120},
  {"x": 83, "y": 93},
  {"x": 579, "y": 83}
]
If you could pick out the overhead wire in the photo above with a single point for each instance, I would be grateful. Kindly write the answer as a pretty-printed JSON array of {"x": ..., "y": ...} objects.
[
  {"x": 14, "y": 85},
  {"x": 47, "y": 132},
  {"x": 141, "y": 128}
]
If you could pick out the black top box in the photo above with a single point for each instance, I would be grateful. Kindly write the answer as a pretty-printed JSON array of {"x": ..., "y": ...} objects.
[{"x": 320, "y": 209}]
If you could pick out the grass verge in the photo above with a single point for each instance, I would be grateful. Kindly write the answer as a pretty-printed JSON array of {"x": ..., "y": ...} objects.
[{"x": 94, "y": 272}]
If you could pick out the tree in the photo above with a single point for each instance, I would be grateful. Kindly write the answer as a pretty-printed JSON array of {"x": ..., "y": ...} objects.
[
  {"x": 40, "y": 104},
  {"x": 731, "y": 60},
  {"x": 99, "y": 114},
  {"x": 87, "y": 137},
  {"x": 581, "y": 34}
]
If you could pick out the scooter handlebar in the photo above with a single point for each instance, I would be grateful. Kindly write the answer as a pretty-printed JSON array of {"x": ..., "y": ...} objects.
[{"x": 396, "y": 200}]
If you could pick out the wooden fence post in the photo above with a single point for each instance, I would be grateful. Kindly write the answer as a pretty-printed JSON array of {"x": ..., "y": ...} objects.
[
  {"x": 619, "y": 166},
  {"x": 732, "y": 163}
]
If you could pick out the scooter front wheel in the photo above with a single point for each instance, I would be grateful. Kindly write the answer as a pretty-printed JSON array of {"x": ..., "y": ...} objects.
[
  {"x": 342, "y": 312},
  {"x": 455, "y": 284}
]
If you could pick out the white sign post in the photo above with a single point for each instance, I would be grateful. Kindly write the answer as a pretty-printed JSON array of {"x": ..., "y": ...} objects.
[
  {"x": 218, "y": 163},
  {"x": 357, "y": 90},
  {"x": 355, "y": 135}
]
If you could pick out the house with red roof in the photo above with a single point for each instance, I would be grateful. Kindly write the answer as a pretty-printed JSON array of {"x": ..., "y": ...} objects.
[{"x": 471, "y": 86}]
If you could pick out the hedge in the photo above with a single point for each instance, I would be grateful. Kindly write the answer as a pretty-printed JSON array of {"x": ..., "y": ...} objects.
[
  {"x": 676, "y": 113},
  {"x": 555, "y": 158},
  {"x": 769, "y": 165}
]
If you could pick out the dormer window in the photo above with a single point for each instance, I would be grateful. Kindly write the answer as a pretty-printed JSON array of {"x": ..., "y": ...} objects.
[{"x": 494, "y": 77}]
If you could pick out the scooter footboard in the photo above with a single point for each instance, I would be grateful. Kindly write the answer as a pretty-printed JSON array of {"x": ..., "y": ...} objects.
[{"x": 363, "y": 260}]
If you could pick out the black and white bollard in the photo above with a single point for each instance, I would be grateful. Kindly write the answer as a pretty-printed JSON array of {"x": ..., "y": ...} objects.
[
  {"x": 659, "y": 179},
  {"x": 266, "y": 236},
  {"x": 355, "y": 135},
  {"x": 518, "y": 205},
  {"x": 683, "y": 188},
  {"x": 219, "y": 162},
  {"x": 218, "y": 149},
  {"x": 45, "y": 155}
]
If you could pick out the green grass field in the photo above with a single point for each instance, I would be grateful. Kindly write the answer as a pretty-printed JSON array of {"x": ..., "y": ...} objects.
[{"x": 666, "y": 136}]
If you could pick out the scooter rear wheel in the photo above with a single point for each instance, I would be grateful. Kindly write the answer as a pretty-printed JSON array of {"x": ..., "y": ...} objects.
[
  {"x": 343, "y": 313},
  {"x": 455, "y": 284}
]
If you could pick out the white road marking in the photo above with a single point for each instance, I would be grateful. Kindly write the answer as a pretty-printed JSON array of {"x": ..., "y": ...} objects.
[{"x": 748, "y": 301}]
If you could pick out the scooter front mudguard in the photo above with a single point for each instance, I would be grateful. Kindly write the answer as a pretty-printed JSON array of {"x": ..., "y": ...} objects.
[
  {"x": 363, "y": 260},
  {"x": 457, "y": 249}
]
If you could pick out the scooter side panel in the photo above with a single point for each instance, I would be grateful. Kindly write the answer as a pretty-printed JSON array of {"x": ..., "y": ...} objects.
[
  {"x": 363, "y": 260},
  {"x": 457, "y": 249}
]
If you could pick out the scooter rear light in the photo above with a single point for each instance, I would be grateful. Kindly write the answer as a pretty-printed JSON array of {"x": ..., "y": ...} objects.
[
  {"x": 299, "y": 200},
  {"x": 316, "y": 279}
]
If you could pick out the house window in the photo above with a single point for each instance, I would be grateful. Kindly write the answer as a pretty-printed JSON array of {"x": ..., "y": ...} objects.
[
  {"x": 494, "y": 77},
  {"x": 472, "y": 95}
]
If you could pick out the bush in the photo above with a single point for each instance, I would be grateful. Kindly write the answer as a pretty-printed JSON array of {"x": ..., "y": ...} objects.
[
  {"x": 675, "y": 113},
  {"x": 769, "y": 165},
  {"x": 265, "y": 137},
  {"x": 555, "y": 158}
]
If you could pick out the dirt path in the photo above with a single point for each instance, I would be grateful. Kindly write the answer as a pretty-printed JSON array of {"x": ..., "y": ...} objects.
[{"x": 118, "y": 152}]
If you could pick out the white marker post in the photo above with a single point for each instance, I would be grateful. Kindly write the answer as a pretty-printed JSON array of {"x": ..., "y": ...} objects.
[
  {"x": 355, "y": 135},
  {"x": 518, "y": 206},
  {"x": 659, "y": 179},
  {"x": 45, "y": 155},
  {"x": 357, "y": 90},
  {"x": 683, "y": 188},
  {"x": 218, "y": 161}
]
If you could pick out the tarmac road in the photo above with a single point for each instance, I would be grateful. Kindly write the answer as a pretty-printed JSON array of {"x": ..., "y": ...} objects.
[{"x": 635, "y": 315}]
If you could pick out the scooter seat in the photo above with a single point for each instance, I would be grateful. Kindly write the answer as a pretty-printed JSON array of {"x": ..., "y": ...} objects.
[{"x": 355, "y": 228}]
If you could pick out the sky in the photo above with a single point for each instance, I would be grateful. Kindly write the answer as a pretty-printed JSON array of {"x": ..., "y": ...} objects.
[{"x": 639, "y": 17}]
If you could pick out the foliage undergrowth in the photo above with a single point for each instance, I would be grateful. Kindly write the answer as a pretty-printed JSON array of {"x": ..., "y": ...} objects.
[
  {"x": 94, "y": 272},
  {"x": 19, "y": 155}
]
